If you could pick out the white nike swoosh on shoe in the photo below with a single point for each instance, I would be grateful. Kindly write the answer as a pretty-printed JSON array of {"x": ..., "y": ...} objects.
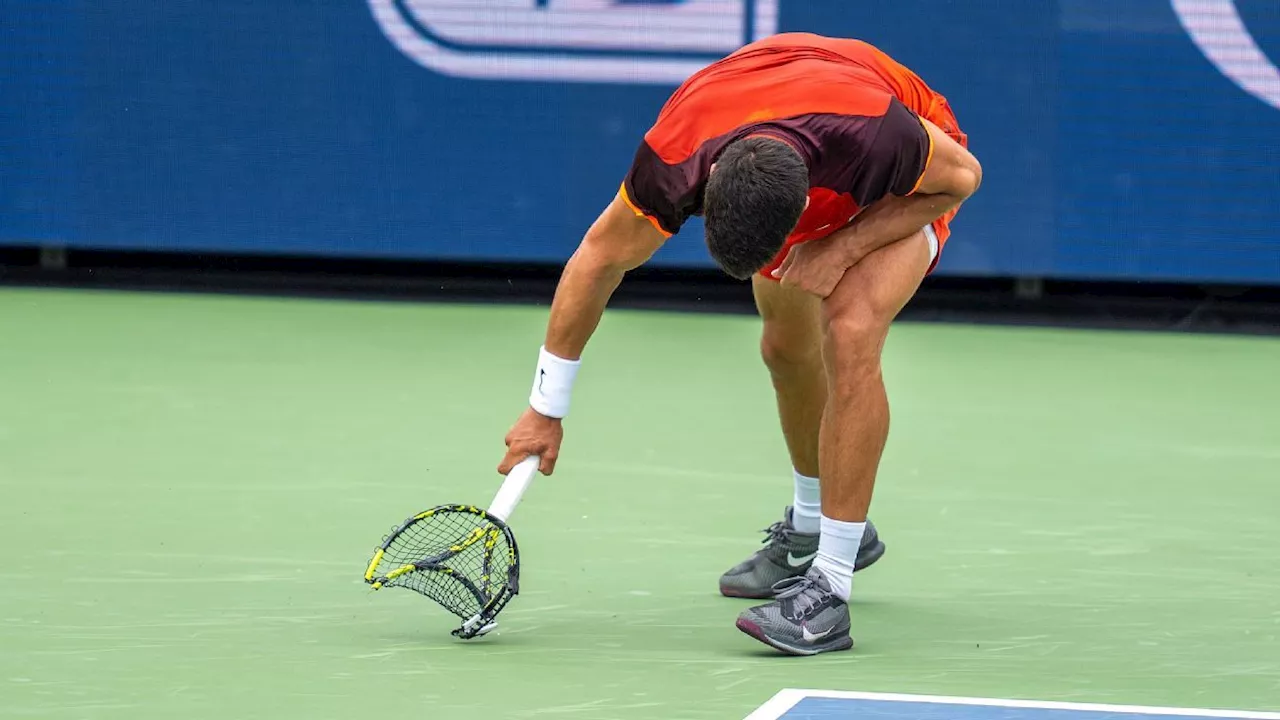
[
  {"x": 794, "y": 561},
  {"x": 814, "y": 637}
]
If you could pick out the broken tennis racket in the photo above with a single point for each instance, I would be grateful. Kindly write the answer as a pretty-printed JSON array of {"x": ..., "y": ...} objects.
[{"x": 463, "y": 557}]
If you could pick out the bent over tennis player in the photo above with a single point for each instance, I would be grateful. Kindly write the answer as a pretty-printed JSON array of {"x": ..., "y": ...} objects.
[{"x": 828, "y": 174}]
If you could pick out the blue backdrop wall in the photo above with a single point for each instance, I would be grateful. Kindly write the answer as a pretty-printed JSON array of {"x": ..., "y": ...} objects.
[{"x": 1120, "y": 138}]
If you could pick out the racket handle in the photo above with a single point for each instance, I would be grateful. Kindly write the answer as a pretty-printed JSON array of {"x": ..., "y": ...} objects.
[{"x": 513, "y": 488}]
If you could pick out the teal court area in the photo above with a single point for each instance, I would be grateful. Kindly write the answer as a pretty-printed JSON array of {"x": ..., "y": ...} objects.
[{"x": 191, "y": 486}]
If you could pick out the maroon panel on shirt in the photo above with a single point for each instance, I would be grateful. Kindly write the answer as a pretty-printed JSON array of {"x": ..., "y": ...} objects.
[{"x": 866, "y": 157}]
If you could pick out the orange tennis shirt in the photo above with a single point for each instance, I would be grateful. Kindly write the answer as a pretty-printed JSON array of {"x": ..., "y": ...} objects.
[{"x": 850, "y": 110}]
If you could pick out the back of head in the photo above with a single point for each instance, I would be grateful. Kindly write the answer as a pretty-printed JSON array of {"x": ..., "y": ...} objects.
[{"x": 753, "y": 200}]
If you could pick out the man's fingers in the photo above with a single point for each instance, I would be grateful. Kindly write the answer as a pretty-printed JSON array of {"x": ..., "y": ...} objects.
[
  {"x": 828, "y": 285},
  {"x": 546, "y": 460},
  {"x": 781, "y": 273},
  {"x": 787, "y": 261},
  {"x": 510, "y": 460},
  {"x": 547, "y": 464},
  {"x": 798, "y": 260}
]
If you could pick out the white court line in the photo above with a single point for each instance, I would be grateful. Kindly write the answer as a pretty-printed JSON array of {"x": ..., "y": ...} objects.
[
  {"x": 785, "y": 700},
  {"x": 777, "y": 706}
]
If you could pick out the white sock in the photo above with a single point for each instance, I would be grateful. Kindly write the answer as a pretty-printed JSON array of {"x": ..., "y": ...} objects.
[
  {"x": 806, "y": 511},
  {"x": 837, "y": 553}
]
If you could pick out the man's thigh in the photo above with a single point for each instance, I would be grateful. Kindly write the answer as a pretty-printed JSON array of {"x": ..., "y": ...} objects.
[{"x": 873, "y": 292}]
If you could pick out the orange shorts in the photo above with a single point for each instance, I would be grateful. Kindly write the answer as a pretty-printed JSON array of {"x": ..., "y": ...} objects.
[{"x": 940, "y": 114}]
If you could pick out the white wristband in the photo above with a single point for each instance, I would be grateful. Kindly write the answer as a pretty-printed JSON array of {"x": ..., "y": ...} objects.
[{"x": 553, "y": 384}]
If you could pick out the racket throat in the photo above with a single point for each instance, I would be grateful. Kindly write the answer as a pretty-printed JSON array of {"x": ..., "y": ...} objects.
[{"x": 479, "y": 624}]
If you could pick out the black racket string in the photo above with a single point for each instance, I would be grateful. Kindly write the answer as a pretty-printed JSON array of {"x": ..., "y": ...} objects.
[{"x": 465, "y": 580}]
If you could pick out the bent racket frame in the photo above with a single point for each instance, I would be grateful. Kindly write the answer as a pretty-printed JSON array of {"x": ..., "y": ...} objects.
[{"x": 493, "y": 529}]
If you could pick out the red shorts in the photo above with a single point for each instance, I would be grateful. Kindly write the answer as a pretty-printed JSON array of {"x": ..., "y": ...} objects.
[{"x": 940, "y": 114}]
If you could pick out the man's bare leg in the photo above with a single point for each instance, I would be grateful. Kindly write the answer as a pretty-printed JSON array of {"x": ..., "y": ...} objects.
[
  {"x": 791, "y": 345},
  {"x": 811, "y": 615},
  {"x": 856, "y": 319}
]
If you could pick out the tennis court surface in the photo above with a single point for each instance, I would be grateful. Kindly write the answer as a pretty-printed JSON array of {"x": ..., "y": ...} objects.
[{"x": 191, "y": 487}]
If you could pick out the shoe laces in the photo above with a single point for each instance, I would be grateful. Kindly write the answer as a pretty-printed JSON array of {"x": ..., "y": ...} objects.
[
  {"x": 779, "y": 532},
  {"x": 805, "y": 594}
]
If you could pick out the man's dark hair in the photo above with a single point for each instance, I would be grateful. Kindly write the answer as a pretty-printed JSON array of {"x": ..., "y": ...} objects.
[{"x": 753, "y": 199}]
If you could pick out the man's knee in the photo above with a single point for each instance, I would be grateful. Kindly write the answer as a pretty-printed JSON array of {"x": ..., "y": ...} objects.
[
  {"x": 791, "y": 343},
  {"x": 788, "y": 351},
  {"x": 856, "y": 317},
  {"x": 853, "y": 341}
]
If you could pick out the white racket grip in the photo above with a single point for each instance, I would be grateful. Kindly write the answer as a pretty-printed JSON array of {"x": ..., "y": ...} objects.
[{"x": 504, "y": 503}]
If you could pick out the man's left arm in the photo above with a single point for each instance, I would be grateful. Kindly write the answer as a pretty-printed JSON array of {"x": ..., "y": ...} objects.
[{"x": 950, "y": 176}]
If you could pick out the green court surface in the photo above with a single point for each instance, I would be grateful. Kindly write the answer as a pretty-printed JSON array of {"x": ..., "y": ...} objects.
[{"x": 190, "y": 488}]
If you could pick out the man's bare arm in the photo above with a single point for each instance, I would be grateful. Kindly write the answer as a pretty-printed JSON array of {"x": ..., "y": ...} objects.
[
  {"x": 616, "y": 243},
  {"x": 952, "y": 175}
]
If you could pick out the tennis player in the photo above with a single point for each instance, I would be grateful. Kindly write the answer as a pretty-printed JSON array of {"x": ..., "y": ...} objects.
[{"x": 828, "y": 174}]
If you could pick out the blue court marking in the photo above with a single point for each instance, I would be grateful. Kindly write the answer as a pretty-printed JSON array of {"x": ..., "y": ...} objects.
[{"x": 834, "y": 705}]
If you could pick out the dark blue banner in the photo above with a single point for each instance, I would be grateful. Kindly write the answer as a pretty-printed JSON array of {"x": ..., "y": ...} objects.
[{"x": 1133, "y": 139}]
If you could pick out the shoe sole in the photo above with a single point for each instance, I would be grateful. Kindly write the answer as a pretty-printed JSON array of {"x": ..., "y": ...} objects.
[
  {"x": 869, "y": 556},
  {"x": 842, "y": 643},
  {"x": 866, "y": 558}
]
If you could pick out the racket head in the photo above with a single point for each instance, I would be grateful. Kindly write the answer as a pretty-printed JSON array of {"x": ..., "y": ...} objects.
[{"x": 460, "y": 556}]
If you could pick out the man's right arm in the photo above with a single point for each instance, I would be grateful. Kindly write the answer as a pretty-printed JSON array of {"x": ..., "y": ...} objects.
[{"x": 618, "y": 241}]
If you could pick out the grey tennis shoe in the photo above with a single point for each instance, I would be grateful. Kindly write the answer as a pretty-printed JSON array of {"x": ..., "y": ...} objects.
[
  {"x": 787, "y": 554},
  {"x": 805, "y": 619}
]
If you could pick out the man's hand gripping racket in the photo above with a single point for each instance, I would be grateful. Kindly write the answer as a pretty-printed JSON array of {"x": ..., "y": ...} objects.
[{"x": 463, "y": 557}]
